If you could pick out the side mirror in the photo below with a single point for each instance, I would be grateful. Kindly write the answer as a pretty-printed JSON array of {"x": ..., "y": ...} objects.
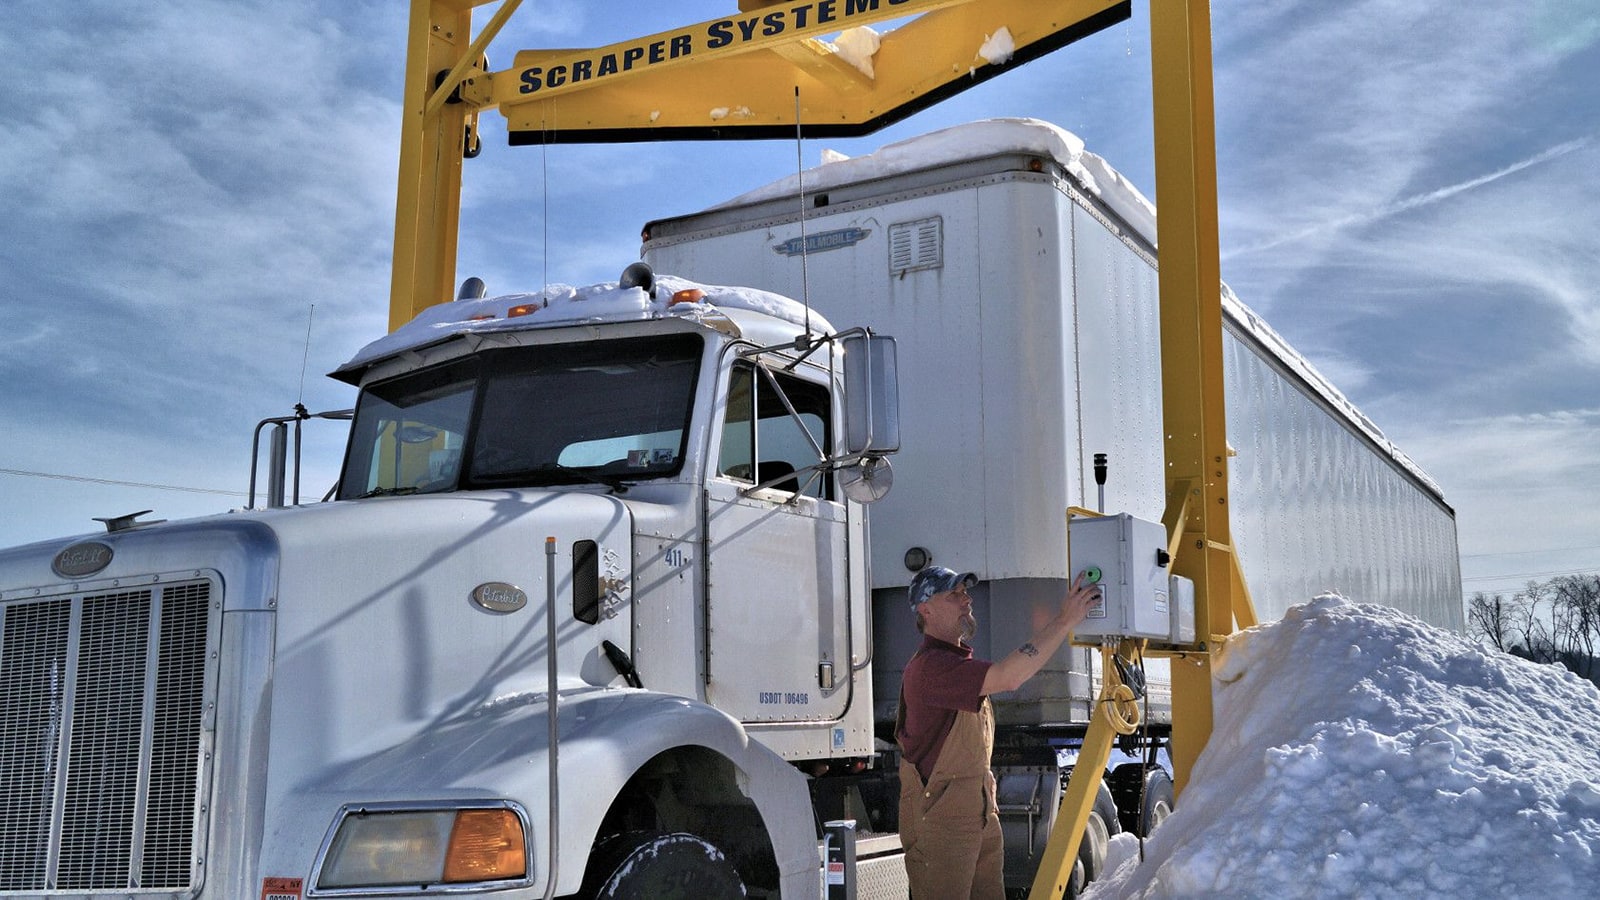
[
  {"x": 867, "y": 480},
  {"x": 871, "y": 395}
]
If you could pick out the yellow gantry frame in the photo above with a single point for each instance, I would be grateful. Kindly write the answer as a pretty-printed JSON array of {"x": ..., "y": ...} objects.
[
  {"x": 731, "y": 77},
  {"x": 737, "y": 77}
]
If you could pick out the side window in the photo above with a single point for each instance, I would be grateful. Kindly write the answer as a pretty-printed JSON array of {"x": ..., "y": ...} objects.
[
  {"x": 762, "y": 440},
  {"x": 737, "y": 459}
]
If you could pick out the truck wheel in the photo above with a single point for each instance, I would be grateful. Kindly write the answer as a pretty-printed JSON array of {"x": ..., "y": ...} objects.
[
  {"x": 1144, "y": 794},
  {"x": 1092, "y": 850},
  {"x": 644, "y": 866}
]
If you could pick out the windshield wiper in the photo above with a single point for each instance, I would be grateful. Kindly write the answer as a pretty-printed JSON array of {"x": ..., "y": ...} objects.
[
  {"x": 616, "y": 483},
  {"x": 387, "y": 492}
]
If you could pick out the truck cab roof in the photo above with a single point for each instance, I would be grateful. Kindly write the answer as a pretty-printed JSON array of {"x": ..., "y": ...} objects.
[{"x": 759, "y": 316}]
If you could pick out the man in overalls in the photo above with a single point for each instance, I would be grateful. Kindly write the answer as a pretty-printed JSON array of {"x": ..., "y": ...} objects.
[{"x": 949, "y": 823}]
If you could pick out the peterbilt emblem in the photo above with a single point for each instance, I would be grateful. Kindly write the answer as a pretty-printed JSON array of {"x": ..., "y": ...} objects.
[
  {"x": 82, "y": 559},
  {"x": 497, "y": 596}
]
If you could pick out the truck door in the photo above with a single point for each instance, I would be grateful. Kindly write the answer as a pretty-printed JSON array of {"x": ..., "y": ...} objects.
[{"x": 777, "y": 590}]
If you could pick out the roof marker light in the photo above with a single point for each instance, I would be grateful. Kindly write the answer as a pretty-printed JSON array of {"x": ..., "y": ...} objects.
[{"x": 687, "y": 295}]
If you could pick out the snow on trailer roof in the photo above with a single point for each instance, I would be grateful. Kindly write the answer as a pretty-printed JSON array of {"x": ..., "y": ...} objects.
[
  {"x": 975, "y": 140},
  {"x": 561, "y": 305},
  {"x": 1007, "y": 136}
]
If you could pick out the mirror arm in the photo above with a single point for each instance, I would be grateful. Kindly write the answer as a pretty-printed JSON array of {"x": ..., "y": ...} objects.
[{"x": 811, "y": 439}]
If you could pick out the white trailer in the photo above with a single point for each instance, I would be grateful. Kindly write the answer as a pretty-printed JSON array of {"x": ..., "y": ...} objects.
[
  {"x": 596, "y": 608},
  {"x": 1018, "y": 272}
]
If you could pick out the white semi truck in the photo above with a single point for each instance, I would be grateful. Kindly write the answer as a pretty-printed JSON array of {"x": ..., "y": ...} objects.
[{"x": 595, "y": 609}]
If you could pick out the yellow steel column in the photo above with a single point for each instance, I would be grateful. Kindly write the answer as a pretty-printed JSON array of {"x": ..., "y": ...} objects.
[
  {"x": 1191, "y": 349},
  {"x": 428, "y": 198}
]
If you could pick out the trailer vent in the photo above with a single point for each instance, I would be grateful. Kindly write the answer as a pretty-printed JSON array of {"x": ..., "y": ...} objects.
[
  {"x": 102, "y": 699},
  {"x": 916, "y": 245}
]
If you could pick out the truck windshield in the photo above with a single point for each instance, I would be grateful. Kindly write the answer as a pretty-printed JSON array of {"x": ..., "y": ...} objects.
[{"x": 607, "y": 411}]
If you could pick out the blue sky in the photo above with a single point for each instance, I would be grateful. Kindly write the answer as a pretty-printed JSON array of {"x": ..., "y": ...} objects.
[{"x": 1409, "y": 192}]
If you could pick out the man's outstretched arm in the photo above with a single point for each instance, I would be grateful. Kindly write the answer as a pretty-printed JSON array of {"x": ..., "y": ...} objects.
[{"x": 1024, "y": 662}]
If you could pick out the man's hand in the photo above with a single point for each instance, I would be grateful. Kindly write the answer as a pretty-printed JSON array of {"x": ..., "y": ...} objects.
[{"x": 1079, "y": 600}]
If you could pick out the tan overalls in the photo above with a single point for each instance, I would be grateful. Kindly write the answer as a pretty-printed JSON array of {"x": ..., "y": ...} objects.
[{"x": 950, "y": 827}]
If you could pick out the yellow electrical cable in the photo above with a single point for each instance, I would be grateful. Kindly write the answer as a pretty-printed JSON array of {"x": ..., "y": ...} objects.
[
  {"x": 1123, "y": 710},
  {"x": 1122, "y": 705}
]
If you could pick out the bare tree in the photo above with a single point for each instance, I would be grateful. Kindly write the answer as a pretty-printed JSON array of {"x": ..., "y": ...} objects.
[
  {"x": 1494, "y": 619},
  {"x": 1576, "y": 601},
  {"x": 1556, "y": 621},
  {"x": 1537, "y": 633}
]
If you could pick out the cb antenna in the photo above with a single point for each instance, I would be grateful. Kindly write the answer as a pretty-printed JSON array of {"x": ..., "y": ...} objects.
[
  {"x": 306, "y": 358},
  {"x": 800, "y": 179},
  {"x": 546, "y": 126}
]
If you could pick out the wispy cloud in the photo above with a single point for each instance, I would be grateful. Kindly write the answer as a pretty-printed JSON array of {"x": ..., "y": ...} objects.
[
  {"x": 1409, "y": 193},
  {"x": 1521, "y": 484},
  {"x": 1404, "y": 204},
  {"x": 1334, "y": 116}
]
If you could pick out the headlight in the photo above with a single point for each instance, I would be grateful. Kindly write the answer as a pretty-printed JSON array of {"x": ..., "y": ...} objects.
[{"x": 395, "y": 847}]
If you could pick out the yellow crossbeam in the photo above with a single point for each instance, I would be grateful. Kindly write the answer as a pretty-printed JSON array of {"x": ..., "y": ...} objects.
[{"x": 735, "y": 77}]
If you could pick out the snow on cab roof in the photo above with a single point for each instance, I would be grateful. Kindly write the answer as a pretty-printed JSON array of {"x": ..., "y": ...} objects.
[
  {"x": 1003, "y": 136},
  {"x": 562, "y": 304}
]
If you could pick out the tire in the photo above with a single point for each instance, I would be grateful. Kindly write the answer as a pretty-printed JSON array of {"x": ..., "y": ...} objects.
[
  {"x": 647, "y": 866},
  {"x": 1144, "y": 796},
  {"x": 1097, "y": 834}
]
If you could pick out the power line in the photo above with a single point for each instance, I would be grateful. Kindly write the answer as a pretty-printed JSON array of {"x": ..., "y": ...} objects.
[
  {"x": 1550, "y": 574},
  {"x": 1531, "y": 574},
  {"x": 1528, "y": 552},
  {"x": 138, "y": 484}
]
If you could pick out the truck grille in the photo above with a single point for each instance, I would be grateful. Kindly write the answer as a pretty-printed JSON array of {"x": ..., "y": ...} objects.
[{"x": 101, "y": 739}]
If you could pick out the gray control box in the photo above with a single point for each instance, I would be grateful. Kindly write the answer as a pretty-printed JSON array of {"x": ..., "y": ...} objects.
[{"x": 1128, "y": 557}]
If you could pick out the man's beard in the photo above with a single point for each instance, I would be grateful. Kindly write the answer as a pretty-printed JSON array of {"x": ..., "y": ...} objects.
[{"x": 969, "y": 626}]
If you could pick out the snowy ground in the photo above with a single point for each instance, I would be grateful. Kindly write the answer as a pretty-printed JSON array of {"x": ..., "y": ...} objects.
[{"x": 1358, "y": 752}]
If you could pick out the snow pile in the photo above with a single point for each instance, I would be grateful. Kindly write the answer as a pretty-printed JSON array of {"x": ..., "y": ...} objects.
[
  {"x": 562, "y": 304},
  {"x": 1358, "y": 752}
]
